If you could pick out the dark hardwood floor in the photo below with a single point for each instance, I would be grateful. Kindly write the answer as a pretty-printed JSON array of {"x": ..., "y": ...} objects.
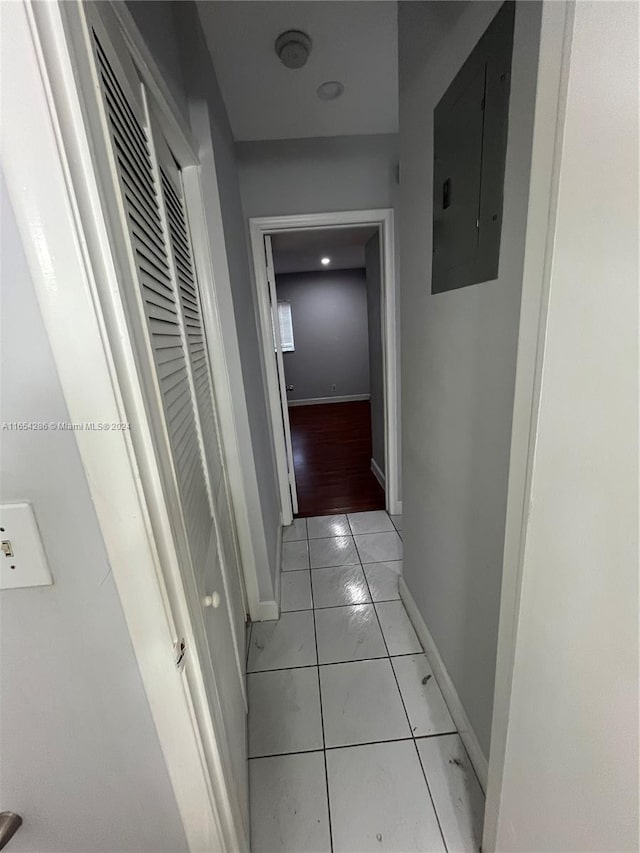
[{"x": 332, "y": 459}]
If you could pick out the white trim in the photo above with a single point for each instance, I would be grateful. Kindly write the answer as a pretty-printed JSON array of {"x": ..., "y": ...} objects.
[
  {"x": 220, "y": 371},
  {"x": 259, "y": 227},
  {"x": 378, "y": 474},
  {"x": 551, "y": 87},
  {"x": 213, "y": 265},
  {"x": 278, "y": 579},
  {"x": 465, "y": 729},
  {"x": 270, "y": 610},
  {"x": 52, "y": 181},
  {"x": 272, "y": 390},
  {"x": 290, "y": 508},
  {"x": 173, "y": 122},
  {"x": 318, "y": 401}
]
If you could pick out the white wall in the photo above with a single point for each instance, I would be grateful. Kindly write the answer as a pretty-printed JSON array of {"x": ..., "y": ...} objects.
[
  {"x": 81, "y": 760},
  {"x": 571, "y": 763},
  {"x": 458, "y": 358},
  {"x": 317, "y": 175}
]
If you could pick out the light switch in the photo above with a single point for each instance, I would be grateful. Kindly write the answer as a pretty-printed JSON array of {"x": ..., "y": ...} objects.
[{"x": 22, "y": 558}]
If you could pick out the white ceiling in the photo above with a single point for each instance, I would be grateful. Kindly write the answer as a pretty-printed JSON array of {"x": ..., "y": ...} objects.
[
  {"x": 301, "y": 251},
  {"x": 354, "y": 41}
]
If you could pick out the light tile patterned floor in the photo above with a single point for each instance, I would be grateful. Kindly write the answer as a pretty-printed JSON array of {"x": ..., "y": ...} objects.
[{"x": 351, "y": 744}]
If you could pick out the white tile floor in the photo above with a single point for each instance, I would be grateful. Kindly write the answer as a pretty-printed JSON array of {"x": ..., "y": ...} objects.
[{"x": 351, "y": 744}]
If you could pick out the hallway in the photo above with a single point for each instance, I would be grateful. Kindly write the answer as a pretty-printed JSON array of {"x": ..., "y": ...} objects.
[
  {"x": 351, "y": 745},
  {"x": 332, "y": 458}
]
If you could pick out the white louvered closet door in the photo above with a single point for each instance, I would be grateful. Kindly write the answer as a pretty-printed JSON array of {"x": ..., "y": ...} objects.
[
  {"x": 196, "y": 345},
  {"x": 174, "y": 360}
]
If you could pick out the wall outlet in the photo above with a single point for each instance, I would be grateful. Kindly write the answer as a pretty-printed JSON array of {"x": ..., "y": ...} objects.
[
  {"x": 289, "y": 387},
  {"x": 333, "y": 387},
  {"x": 22, "y": 558}
]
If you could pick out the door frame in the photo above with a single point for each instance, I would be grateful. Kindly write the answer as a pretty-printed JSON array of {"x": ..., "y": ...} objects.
[
  {"x": 52, "y": 181},
  {"x": 291, "y": 485},
  {"x": 383, "y": 219},
  {"x": 554, "y": 60}
]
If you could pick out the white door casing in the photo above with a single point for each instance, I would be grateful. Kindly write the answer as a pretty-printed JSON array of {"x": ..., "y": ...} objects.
[
  {"x": 260, "y": 230},
  {"x": 281, "y": 378},
  {"x": 268, "y": 331}
]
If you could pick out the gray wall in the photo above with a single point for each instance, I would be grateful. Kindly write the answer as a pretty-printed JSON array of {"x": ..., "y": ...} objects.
[
  {"x": 458, "y": 359},
  {"x": 81, "y": 760},
  {"x": 317, "y": 175},
  {"x": 180, "y": 35},
  {"x": 329, "y": 315},
  {"x": 156, "y": 23},
  {"x": 376, "y": 361},
  {"x": 323, "y": 175}
]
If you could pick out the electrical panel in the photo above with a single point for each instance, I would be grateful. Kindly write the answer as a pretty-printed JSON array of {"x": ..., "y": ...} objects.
[{"x": 470, "y": 143}]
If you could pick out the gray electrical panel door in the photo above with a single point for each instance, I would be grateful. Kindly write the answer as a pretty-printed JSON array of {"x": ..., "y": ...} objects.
[{"x": 470, "y": 142}]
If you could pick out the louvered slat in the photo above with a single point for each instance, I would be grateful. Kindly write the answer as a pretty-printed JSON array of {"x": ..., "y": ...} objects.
[
  {"x": 190, "y": 305},
  {"x": 200, "y": 370},
  {"x": 161, "y": 303}
]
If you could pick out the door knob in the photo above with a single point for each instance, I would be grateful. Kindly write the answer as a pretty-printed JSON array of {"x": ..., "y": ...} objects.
[
  {"x": 10, "y": 823},
  {"x": 212, "y": 600}
]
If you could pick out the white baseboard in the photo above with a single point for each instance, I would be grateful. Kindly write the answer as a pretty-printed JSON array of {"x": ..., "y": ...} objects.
[
  {"x": 467, "y": 734},
  {"x": 378, "y": 473},
  {"x": 269, "y": 609},
  {"x": 395, "y": 508},
  {"x": 317, "y": 401}
]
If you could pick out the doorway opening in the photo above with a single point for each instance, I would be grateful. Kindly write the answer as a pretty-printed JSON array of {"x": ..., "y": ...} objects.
[
  {"x": 328, "y": 308},
  {"x": 326, "y": 298}
]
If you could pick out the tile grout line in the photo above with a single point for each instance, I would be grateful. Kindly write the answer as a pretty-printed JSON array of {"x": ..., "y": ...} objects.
[
  {"x": 388, "y": 656},
  {"x": 340, "y": 536},
  {"x": 344, "y": 565},
  {"x": 330, "y": 663},
  {"x": 415, "y": 745},
  {"x": 324, "y": 741},
  {"x": 359, "y": 604},
  {"x": 374, "y": 562},
  {"x": 349, "y": 535},
  {"x": 408, "y": 654},
  {"x": 352, "y": 745},
  {"x": 284, "y": 754},
  {"x": 433, "y": 803}
]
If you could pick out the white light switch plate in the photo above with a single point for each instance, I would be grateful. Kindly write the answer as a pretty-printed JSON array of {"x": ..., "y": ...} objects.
[{"x": 22, "y": 560}]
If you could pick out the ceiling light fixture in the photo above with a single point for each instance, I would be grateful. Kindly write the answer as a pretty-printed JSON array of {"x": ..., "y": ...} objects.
[
  {"x": 325, "y": 261},
  {"x": 330, "y": 90},
  {"x": 293, "y": 47}
]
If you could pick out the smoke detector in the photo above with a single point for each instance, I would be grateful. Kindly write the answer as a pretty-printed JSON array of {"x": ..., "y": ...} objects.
[{"x": 293, "y": 48}]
